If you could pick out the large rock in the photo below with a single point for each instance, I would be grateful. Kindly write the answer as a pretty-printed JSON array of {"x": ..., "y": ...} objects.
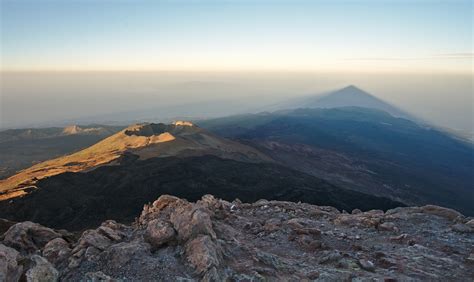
[
  {"x": 10, "y": 270},
  {"x": 95, "y": 239},
  {"x": 41, "y": 271},
  {"x": 56, "y": 251},
  {"x": 156, "y": 209},
  {"x": 442, "y": 212},
  {"x": 203, "y": 253},
  {"x": 120, "y": 254},
  {"x": 28, "y": 237},
  {"x": 159, "y": 232},
  {"x": 190, "y": 221}
]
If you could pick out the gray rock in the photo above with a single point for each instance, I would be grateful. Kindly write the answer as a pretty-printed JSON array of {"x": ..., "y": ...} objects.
[
  {"x": 367, "y": 265},
  {"x": 10, "y": 270},
  {"x": 56, "y": 251},
  {"x": 28, "y": 237},
  {"x": 190, "y": 221},
  {"x": 203, "y": 253},
  {"x": 159, "y": 232},
  {"x": 442, "y": 212},
  {"x": 41, "y": 271}
]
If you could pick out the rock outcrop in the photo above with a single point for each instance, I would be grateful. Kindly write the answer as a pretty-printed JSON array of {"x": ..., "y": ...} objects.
[{"x": 216, "y": 240}]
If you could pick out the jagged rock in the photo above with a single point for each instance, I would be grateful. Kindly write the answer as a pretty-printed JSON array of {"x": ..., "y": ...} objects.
[
  {"x": 154, "y": 210},
  {"x": 159, "y": 232},
  {"x": 266, "y": 241},
  {"x": 442, "y": 212},
  {"x": 56, "y": 251},
  {"x": 190, "y": 221},
  {"x": 110, "y": 233},
  {"x": 41, "y": 271},
  {"x": 95, "y": 239},
  {"x": 28, "y": 237},
  {"x": 10, "y": 270},
  {"x": 203, "y": 253}
]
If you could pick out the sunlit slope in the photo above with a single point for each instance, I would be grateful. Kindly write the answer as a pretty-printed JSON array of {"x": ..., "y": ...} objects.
[{"x": 145, "y": 141}]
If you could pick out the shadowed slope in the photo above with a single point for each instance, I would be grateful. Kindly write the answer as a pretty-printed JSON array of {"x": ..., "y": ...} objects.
[{"x": 79, "y": 200}]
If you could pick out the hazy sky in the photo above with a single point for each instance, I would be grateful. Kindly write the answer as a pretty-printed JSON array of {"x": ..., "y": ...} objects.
[
  {"x": 398, "y": 35},
  {"x": 243, "y": 54}
]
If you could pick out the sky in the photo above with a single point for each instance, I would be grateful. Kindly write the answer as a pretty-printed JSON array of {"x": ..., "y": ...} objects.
[
  {"x": 397, "y": 35},
  {"x": 71, "y": 61}
]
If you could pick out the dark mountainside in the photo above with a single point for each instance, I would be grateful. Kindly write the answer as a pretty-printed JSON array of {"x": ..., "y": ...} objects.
[
  {"x": 217, "y": 240},
  {"x": 363, "y": 149},
  {"x": 83, "y": 200}
]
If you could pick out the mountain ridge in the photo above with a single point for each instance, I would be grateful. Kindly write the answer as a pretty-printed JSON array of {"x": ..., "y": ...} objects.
[{"x": 180, "y": 138}]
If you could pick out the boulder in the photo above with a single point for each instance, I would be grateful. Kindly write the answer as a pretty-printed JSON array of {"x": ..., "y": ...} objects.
[
  {"x": 28, "y": 237},
  {"x": 41, "y": 271},
  {"x": 56, "y": 251},
  {"x": 10, "y": 270},
  {"x": 95, "y": 239},
  {"x": 203, "y": 253},
  {"x": 159, "y": 232},
  {"x": 156, "y": 209},
  {"x": 190, "y": 221},
  {"x": 447, "y": 213}
]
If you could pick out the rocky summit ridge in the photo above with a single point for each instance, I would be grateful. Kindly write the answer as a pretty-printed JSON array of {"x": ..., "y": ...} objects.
[{"x": 216, "y": 240}]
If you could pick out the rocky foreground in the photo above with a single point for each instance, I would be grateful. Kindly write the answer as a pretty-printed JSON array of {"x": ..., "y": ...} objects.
[{"x": 216, "y": 240}]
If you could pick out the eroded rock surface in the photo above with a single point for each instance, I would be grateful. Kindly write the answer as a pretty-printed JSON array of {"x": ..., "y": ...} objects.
[{"x": 216, "y": 240}]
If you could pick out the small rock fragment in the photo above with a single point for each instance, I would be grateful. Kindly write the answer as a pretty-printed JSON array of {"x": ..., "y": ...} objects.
[
  {"x": 388, "y": 226},
  {"x": 367, "y": 265}
]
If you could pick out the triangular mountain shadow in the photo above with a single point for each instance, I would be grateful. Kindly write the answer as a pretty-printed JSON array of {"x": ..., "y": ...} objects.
[{"x": 350, "y": 96}]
